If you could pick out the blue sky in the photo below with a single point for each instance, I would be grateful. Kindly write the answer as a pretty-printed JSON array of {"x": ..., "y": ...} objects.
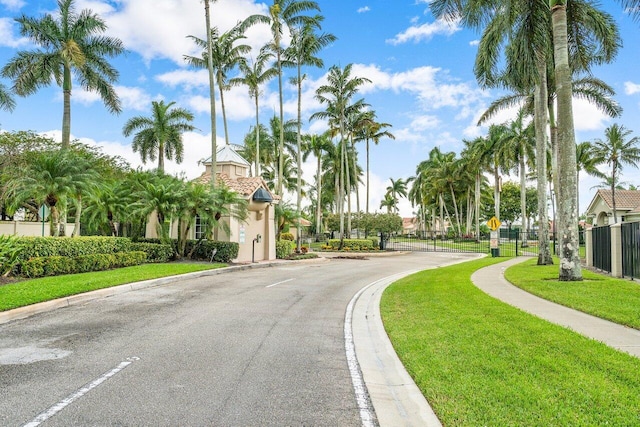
[{"x": 420, "y": 68}]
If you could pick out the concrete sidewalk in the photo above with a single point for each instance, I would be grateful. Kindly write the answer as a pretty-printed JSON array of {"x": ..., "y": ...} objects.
[{"x": 491, "y": 280}]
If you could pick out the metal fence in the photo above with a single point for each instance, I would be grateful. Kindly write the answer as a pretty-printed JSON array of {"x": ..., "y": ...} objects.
[
  {"x": 602, "y": 247},
  {"x": 630, "y": 236},
  {"x": 510, "y": 243}
]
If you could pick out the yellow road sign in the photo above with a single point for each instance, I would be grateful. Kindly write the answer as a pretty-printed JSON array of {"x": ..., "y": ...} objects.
[{"x": 494, "y": 223}]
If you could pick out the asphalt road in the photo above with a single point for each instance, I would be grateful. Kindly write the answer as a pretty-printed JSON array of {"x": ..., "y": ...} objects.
[{"x": 259, "y": 347}]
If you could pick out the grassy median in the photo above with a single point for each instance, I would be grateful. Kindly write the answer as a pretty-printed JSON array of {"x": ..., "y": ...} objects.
[
  {"x": 617, "y": 300},
  {"x": 27, "y": 292},
  {"x": 479, "y": 361}
]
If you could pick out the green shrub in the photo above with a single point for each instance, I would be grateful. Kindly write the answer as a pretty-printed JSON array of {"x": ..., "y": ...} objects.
[
  {"x": 156, "y": 252},
  {"x": 352, "y": 244},
  {"x": 225, "y": 251},
  {"x": 58, "y": 265},
  {"x": 286, "y": 236},
  {"x": 10, "y": 250},
  {"x": 283, "y": 249}
]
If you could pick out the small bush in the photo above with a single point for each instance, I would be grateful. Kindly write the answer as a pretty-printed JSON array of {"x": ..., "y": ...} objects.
[
  {"x": 10, "y": 250},
  {"x": 283, "y": 249},
  {"x": 225, "y": 251},
  {"x": 156, "y": 252},
  {"x": 352, "y": 244},
  {"x": 286, "y": 236}
]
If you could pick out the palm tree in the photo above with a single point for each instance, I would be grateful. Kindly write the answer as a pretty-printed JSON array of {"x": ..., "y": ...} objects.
[
  {"x": 305, "y": 45},
  {"x": 586, "y": 161},
  {"x": 374, "y": 131},
  {"x": 389, "y": 202},
  {"x": 337, "y": 94},
  {"x": 161, "y": 134},
  {"x": 596, "y": 41},
  {"x": 71, "y": 45},
  {"x": 48, "y": 178},
  {"x": 6, "y": 100},
  {"x": 287, "y": 13},
  {"x": 212, "y": 90},
  {"x": 317, "y": 145},
  {"x": 521, "y": 140},
  {"x": 617, "y": 152},
  {"x": 396, "y": 189},
  {"x": 254, "y": 75},
  {"x": 226, "y": 55}
]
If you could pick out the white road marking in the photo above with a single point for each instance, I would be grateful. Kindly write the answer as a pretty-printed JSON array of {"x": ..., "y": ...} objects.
[
  {"x": 78, "y": 394},
  {"x": 280, "y": 283}
]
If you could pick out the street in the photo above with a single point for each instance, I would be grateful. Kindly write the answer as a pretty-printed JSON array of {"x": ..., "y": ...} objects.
[{"x": 256, "y": 347}]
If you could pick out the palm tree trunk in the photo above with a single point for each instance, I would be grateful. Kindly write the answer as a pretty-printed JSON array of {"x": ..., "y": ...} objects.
[
  {"x": 257, "y": 170},
  {"x": 540, "y": 122},
  {"x": 613, "y": 193},
  {"x": 55, "y": 218},
  {"x": 477, "y": 204},
  {"x": 161, "y": 156},
  {"x": 212, "y": 96},
  {"x": 455, "y": 207},
  {"x": 367, "y": 142},
  {"x": 66, "y": 112},
  {"x": 281, "y": 140},
  {"x": 347, "y": 172},
  {"x": 319, "y": 193},
  {"x": 496, "y": 192},
  {"x": 570, "y": 268},
  {"x": 76, "y": 227},
  {"x": 299, "y": 159},
  {"x": 224, "y": 112},
  {"x": 523, "y": 199}
]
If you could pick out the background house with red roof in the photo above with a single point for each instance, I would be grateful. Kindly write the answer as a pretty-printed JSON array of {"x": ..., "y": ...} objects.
[{"x": 627, "y": 206}]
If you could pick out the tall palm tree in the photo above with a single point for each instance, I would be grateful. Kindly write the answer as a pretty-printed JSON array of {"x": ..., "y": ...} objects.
[
  {"x": 520, "y": 137},
  {"x": 226, "y": 55},
  {"x": 389, "y": 202},
  {"x": 255, "y": 74},
  {"x": 305, "y": 45},
  {"x": 337, "y": 95},
  {"x": 374, "y": 131},
  {"x": 72, "y": 45},
  {"x": 529, "y": 53},
  {"x": 397, "y": 188},
  {"x": 212, "y": 90},
  {"x": 617, "y": 152},
  {"x": 317, "y": 145},
  {"x": 287, "y": 13},
  {"x": 161, "y": 134}
]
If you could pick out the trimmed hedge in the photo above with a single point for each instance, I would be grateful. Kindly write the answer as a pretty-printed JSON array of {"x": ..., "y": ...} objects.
[
  {"x": 156, "y": 252},
  {"x": 284, "y": 248},
  {"x": 57, "y": 265},
  {"x": 353, "y": 244},
  {"x": 72, "y": 246},
  {"x": 225, "y": 251}
]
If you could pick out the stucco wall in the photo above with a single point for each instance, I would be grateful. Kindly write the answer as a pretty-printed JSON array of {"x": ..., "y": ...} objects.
[{"x": 23, "y": 228}]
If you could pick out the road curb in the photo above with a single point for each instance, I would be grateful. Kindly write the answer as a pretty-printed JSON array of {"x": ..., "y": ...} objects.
[{"x": 43, "y": 307}]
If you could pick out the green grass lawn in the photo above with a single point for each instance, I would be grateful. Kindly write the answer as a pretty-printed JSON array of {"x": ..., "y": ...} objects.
[
  {"x": 32, "y": 291},
  {"x": 613, "y": 299},
  {"x": 480, "y": 362}
]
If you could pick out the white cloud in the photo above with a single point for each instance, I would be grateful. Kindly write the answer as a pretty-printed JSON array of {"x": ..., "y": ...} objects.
[
  {"x": 159, "y": 29},
  {"x": 364, "y": 9},
  {"x": 133, "y": 98},
  {"x": 13, "y": 4},
  {"x": 418, "y": 33},
  {"x": 587, "y": 117},
  {"x": 631, "y": 88},
  {"x": 6, "y": 34},
  {"x": 474, "y": 42}
]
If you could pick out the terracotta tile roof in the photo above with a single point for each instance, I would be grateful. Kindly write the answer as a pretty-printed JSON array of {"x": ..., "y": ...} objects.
[
  {"x": 625, "y": 199},
  {"x": 243, "y": 186}
]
